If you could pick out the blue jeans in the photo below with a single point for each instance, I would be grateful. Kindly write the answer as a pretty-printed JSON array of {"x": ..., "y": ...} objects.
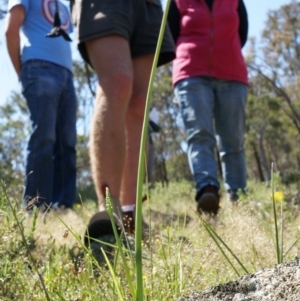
[
  {"x": 213, "y": 111},
  {"x": 51, "y": 155}
]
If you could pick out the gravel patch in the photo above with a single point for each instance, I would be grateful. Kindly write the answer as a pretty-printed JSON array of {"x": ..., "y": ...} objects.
[{"x": 281, "y": 283}]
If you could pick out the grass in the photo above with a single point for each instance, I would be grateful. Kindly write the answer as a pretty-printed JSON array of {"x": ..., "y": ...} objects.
[
  {"x": 142, "y": 162},
  {"x": 182, "y": 259}
]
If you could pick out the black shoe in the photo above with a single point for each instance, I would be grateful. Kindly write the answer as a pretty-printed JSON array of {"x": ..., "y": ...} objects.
[
  {"x": 233, "y": 196},
  {"x": 208, "y": 200},
  {"x": 99, "y": 235}
]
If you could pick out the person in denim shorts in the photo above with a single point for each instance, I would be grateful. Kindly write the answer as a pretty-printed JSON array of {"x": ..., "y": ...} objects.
[
  {"x": 44, "y": 67},
  {"x": 210, "y": 80},
  {"x": 118, "y": 39}
]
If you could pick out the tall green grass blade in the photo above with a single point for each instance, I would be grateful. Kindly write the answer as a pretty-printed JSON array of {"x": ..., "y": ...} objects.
[
  {"x": 281, "y": 212},
  {"x": 278, "y": 252},
  {"x": 228, "y": 249},
  {"x": 138, "y": 218},
  {"x": 119, "y": 244},
  {"x": 180, "y": 274},
  {"x": 113, "y": 275},
  {"x": 2, "y": 199},
  {"x": 291, "y": 247},
  {"x": 33, "y": 225},
  {"x": 213, "y": 233},
  {"x": 215, "y": 238}
]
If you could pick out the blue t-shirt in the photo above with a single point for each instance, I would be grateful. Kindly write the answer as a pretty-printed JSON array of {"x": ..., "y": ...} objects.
[{"x": 37, "y": 23}]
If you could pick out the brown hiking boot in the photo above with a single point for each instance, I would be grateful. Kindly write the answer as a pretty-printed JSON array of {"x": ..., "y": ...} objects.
[
  {"x": 129, "y": 223},
  {"x": 208, "y": 200}
]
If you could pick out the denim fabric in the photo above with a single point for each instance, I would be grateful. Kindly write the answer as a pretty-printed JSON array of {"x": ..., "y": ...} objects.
[
  {"x": 213, "y": 112},
  {"x": 51, "y": 155}
]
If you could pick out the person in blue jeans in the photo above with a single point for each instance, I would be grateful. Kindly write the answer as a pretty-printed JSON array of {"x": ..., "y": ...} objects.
[
  {"x": 44, "y": 67},
  {"x": 210, "y": 82}
]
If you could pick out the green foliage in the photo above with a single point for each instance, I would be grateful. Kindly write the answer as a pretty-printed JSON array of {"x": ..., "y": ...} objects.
[
  {"x": 178, "y": 168},
  {"x": 270, "y": 133},
  {"x": 274, "y": 104},
  {"x": 13, "y": 129},
  {"x": 168, "y": 142}
]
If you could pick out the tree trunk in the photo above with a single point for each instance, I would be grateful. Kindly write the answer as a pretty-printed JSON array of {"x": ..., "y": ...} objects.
[
  {"x": 264, "y": 157},
  {"x": 258, "y": 163}
]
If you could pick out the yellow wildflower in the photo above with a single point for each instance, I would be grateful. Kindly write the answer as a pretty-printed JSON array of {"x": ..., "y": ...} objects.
[{"x": 278, "y": 196}]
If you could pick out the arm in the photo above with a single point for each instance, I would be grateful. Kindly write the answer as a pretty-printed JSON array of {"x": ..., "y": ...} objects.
[
  {"x": 14, "y": 21},
  {"x": 243, "y": 28}
]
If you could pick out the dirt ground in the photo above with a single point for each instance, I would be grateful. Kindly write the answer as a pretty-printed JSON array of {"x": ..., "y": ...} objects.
[{"x": 281, "y": 283}]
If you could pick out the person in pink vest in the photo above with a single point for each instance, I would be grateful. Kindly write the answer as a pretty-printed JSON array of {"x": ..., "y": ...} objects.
[{"x": 211, "y": 85}]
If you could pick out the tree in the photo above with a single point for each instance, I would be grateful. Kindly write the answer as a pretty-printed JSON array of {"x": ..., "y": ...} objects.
[
  {"x": 3, "y": 5},
  {"x": 13, "y": 132},
  {"x": 169, "y": 142},
  {"x": 269, "y": 133},
  {"x": 279, "y": 64},
  {"x": 273, "y": 105},
  {"x": 85, "y": 85}
]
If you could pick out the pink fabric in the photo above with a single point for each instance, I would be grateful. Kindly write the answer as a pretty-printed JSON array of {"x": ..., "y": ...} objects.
[{"x": 209, "y": 42}]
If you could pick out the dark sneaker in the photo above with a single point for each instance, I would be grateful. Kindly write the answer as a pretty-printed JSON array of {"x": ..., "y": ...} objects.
[
  {"x": 208, "y": 200},
  {"x": 105, "y": 243},
  {"x": 233, "y": 196},
  {"x": 100, "y": 235}
]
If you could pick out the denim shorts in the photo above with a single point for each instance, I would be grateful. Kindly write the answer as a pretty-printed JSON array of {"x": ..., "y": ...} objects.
[{"x": 138, "y": 21}]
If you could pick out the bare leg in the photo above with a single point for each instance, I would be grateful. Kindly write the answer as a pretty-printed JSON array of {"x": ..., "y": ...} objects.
[
  {"x": 110, "y": 57},
  {"x": 134, "y": 122}
]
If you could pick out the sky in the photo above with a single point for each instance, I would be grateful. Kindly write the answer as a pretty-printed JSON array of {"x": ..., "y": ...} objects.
[{"x": 257, "y": 15}]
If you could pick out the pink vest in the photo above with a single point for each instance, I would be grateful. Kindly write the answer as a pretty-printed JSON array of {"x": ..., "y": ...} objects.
[{"x": 209, "y": 42}]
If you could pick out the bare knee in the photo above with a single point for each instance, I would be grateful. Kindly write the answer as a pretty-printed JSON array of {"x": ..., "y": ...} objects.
[
  {"x": 136, "y": 107},
  {"x": 117, "y": 85}
]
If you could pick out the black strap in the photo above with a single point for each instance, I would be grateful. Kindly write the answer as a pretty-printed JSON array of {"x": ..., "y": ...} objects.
[{"x": 57, "y": 31}]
